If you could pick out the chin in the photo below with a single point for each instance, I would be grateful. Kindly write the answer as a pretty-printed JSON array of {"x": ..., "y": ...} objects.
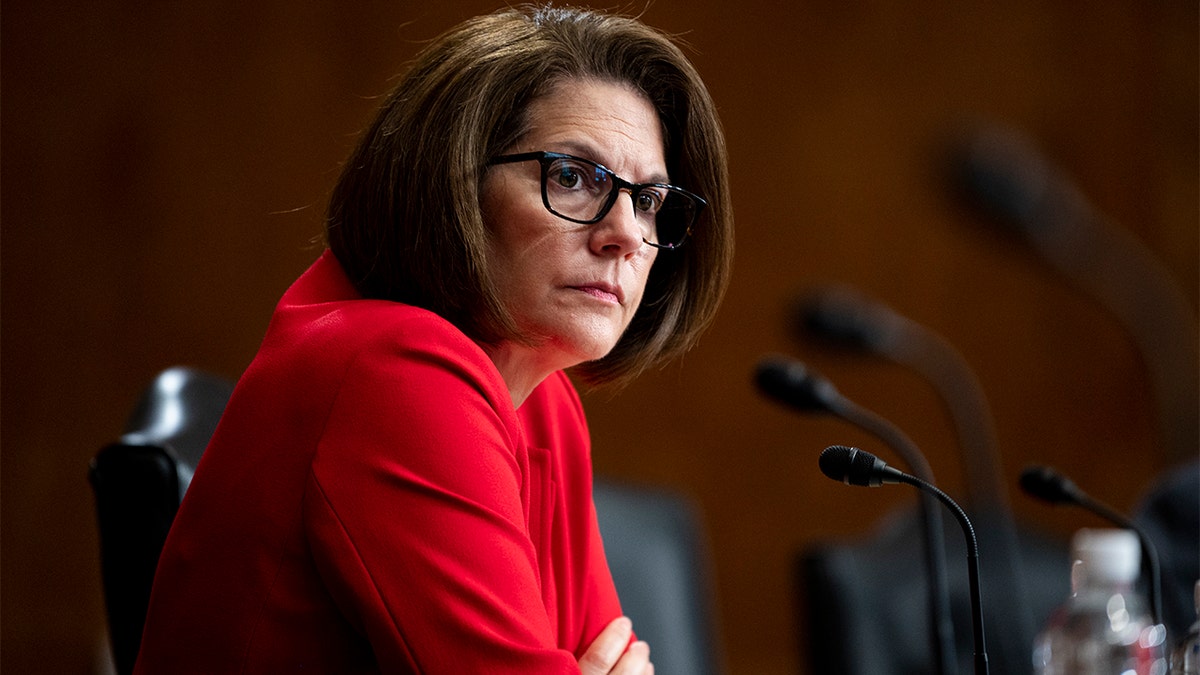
[
  {"x": 583, "y": 355},
  {"x": 579, "y": 341},
  {"x": 590, "y": 347}
]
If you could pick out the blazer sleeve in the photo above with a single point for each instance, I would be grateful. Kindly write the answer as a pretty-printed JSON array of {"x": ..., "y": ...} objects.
[{"x": 415, "y": 516}]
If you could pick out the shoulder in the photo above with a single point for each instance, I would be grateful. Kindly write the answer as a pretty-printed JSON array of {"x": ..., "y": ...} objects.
[
  {"x": 326, "y": 343},
  {"x": 323, "y": 320}
]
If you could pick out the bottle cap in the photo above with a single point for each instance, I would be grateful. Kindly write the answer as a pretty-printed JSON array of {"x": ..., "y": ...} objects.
[{"x": 1109, "y": 556}]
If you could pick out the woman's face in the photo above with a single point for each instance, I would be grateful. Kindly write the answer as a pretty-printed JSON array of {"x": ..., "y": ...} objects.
[{"x": 573, "y": 288}]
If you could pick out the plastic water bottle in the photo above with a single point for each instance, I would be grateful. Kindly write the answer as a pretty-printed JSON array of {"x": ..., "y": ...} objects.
[
  {"x": 1185, "y": 660},
  {"x": 1104, "y": 627}
]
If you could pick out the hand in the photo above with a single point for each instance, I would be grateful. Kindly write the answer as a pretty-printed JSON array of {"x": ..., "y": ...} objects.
[{"x": 607, "y": 654}]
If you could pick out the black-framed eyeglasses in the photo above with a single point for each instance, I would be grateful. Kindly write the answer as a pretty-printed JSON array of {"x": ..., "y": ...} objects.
[{"x": 582, "y": 191}]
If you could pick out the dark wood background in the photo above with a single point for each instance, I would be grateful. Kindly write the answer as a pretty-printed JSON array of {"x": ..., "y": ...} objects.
[{"x": 165, "y": 167}]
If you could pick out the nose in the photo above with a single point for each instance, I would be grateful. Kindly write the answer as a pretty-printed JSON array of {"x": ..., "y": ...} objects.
[{"x": 620, "y": 231}]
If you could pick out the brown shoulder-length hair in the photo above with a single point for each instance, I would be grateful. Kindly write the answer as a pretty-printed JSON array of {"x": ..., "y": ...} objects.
[{"x": 404, "y": 219}]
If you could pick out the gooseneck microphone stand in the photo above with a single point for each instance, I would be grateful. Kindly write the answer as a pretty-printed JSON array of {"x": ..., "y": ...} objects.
[{"x": 856, "y": 467}]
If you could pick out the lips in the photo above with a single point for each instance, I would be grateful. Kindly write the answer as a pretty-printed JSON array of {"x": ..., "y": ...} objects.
[{"x": 602, "y": 291}]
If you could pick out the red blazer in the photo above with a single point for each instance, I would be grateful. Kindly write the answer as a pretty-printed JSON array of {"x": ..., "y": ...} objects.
[{"x": 371, "y": 502}]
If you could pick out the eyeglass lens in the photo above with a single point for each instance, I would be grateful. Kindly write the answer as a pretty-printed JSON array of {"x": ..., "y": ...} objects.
[{"x": 582, "y": 191}]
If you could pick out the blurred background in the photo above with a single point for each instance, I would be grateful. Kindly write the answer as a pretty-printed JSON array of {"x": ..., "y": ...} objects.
[{"x": 166, "y": 165}]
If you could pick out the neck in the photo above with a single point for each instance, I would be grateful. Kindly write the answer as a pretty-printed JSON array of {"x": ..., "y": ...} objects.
[{"x": 523, "y": 368}]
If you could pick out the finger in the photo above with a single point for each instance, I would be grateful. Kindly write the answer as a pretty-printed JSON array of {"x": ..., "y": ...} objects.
[
  {"x": 635, "y": 661},
  {"x": 606, "y": 649}
]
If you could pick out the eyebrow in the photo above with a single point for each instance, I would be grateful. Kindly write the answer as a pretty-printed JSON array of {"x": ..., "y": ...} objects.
[{"x": 587, "y": 151}]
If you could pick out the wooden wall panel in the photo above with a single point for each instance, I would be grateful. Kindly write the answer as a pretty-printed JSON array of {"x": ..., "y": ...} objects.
[{"x": 165, "y": 168}]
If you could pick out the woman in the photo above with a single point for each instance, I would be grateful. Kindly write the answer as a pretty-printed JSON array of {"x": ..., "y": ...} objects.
[{"x": 402, "y": 480}]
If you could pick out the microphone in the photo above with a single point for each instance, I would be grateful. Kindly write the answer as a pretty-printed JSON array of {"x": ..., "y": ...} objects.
[
  {"x": 846, "y": 317},
  {"x": 793, "y": 384},
  {"x": 857, "y": 467},
  {"x": 840, "y": 315},
  {"x": 1002, "y": 173},
  {"x": 1052, "y": 487}
]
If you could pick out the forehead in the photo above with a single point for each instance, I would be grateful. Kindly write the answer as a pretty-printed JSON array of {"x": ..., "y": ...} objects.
[{"x": 609, "y": 122}]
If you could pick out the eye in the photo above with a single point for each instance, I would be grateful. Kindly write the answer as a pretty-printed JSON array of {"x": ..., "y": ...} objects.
[
  {"x": 649, "y": 201},
  {"x": 567, "y": 176},
  {"x": 578, "y": 175}
]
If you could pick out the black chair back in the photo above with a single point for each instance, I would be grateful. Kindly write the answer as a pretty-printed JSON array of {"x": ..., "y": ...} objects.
[
  {"x": 138, "y": 483},
  {"x": 864, "y": 604},
  {"x": 658, "y": 553}
]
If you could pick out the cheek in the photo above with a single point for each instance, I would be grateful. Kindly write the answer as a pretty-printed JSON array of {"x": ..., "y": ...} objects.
[
  {"x": 490, "y": 191},
  {"x": 502, "y": 221},
  {"x": 641, "y": 270}
]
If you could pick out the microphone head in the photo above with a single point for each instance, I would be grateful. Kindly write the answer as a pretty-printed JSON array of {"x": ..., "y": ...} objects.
[
  {"x": 845, "y": 317},
  {"x": 1004, "y": 174},
  {"x": 851, "y": 466},
  {"x": 793, "y": 384},
  {"x": 1049, "y": 485}
]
